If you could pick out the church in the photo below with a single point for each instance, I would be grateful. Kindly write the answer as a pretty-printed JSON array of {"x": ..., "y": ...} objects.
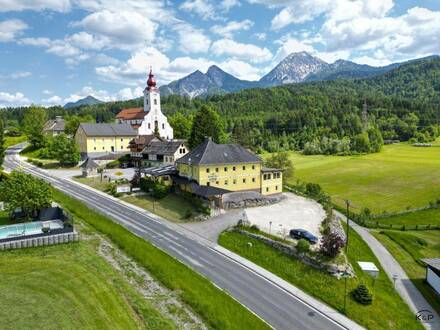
[{"x": 148, "y": 120}]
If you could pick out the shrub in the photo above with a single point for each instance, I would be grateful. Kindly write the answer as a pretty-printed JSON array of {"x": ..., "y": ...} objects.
[
  {"x": 255, "y": 227},
  {"x": 160, "y": 190},
  {"x": 313, "y": 189},
  {"x": 362, "y": 295},
  {"x": 303, "y": 246},
  {"x": 188, "y": 214},
  {"x": 331, "y": 245},
  {"x": 146, "y": 184}
]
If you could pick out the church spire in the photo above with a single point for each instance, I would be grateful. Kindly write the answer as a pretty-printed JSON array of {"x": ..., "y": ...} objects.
[{"x": 151, "y": 82}]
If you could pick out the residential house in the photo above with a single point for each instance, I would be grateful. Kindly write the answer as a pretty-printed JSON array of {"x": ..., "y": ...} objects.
[
  {"x": 149, "y": 119},
  {"x": 433, "y": 273},
  {"x": 95, "y": 140},
  {"x": 229, "y": 167},
  {"x": 54, "y": 127},
  {"x": 149, "y": 150}
]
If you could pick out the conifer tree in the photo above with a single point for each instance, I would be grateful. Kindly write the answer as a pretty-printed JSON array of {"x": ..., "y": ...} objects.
[{"x": 207, "y": 123}]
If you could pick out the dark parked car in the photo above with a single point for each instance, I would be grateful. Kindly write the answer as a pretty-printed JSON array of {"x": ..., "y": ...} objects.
[{"x": 302, "y": 233}]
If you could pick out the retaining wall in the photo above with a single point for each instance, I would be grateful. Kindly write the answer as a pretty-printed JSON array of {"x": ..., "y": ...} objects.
[{"x": 40, "y": 241}]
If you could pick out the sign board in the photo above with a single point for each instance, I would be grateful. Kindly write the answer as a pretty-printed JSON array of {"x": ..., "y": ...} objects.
[
  {"x": 136, "y": 189},
  {"x": 122, "y": 189},
  {"x": 369, "y": 268}
]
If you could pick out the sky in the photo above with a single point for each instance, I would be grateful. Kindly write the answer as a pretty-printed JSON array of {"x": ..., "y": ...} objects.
[{"x": 58, "y": 51}]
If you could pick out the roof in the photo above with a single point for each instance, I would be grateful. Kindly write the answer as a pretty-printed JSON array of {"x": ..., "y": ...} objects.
[
  {"x": 433, "y": 263},
  {"x": 142, "y": 140},
  {"x": 131, "y": 113},
  {"x": 162, "y": 147},
  {"x": 89, "y": 163},
  {"x": 209, "y": 191},
  {"x": 56, "y": 124},
  {"x": 123, "y": 129},
  {"x": 160, "y": 170},
  {"x": 211, "y": 153}
]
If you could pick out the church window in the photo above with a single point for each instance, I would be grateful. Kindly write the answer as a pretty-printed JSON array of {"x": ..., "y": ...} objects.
[
  {"x": 163, "y": 126},
  {"x": 155, "y": 101},
  {"x": 149, "y": 126}
]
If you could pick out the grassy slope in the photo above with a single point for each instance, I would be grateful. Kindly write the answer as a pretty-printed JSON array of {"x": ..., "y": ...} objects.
[
  {"x": 404, "y": 247},
  {"x": 424, "y": 217},
  {"x": 217, "y": 308},
  {"x": 388, "y": 310},
  {"x": 69, "y": 286},
  {"x": 12, "y": 140},
  {"x": 172, "y": 207},
  {"x": 397, "y": 177}
]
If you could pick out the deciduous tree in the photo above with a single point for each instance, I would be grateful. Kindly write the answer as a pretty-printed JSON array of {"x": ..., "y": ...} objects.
[
  {"x": 282, "y": 161},
  {"x": 33, "y": 123}
]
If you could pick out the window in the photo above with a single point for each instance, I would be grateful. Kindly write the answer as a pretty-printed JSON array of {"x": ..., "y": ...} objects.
[
  {"x": 216, "y": 169},
  {"x": 276, "y": 187},
  {"x": 269, "y": 176},
  {"x": 226, "y": 169},
  {"x": 149, "y": 126},
  {"x": 253, "y": 179},
  {"x": 267, "y": 189},
  {"x": 207, "y": 170},
  {"x": 233, "y": 168},
  {"x": 122, "y": 140},
  {"x": 234, "y": 181},
  {"x": 226, "y": 182},
  {"x": 244, "y": 180},
  {"x": 163, "y": 126},
  {"x": 217, "y": 182},
  {"x": 103, "y": 148},
  {"x": 94, "y": 140},
  {"x": 244, "y": 168},
  {"x": 94, "y": 148},
  {"x": 207, "y": 183},
  {"x": 155, "y": 101},
  {"x": 183, "y": 150},
  {"x": 253, "y": 167}
]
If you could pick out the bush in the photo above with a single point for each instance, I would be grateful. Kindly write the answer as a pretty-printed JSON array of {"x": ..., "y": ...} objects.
[
  {"x": 188, "y": 214},
  {"x": 303, "y": 246},
  {"x": 160, "y": 190},
  {"x": 146, "y": 184},
  {"x": 255, "y": 227},
  {"x": 331, "y": 245},
  {"x": 362, "y": 295},
  {"x": 313, "y": 189}
]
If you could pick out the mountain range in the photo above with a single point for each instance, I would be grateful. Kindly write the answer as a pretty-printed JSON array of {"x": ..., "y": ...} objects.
[
  {"x": 295, "y": 68},
  {"x": 88, "y": 100}
]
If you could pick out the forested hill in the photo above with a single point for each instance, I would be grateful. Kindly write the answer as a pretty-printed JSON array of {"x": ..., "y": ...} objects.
[{"x": 326, "y": 116}]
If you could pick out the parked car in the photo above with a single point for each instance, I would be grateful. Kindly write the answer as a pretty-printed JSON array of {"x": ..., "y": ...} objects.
[{"x": 302, "y": 233}]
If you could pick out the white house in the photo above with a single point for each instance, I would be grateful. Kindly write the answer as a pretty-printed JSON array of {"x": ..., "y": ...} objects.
[
  {"x": 149, "y": 119},
  {"x": 433, "y": 273}
]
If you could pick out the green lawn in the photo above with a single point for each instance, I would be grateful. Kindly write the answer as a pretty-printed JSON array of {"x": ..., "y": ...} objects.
[
  {"x": 13, "y": 140},
  {"x": 69, "y": 286},
  {"x": 398, "y": 177},
  {"x": 172, "y": 207},
  {"x": 424, "y": 217},
  {"x": 4, "y": 218},
  {"x": 388, "y": 310},
  {"x": 216, "y": 308},
  {"x": 410, "y": 246}
]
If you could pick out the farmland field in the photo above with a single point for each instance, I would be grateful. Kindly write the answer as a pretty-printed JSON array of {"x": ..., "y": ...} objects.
[{"x": 399, "y": 177}]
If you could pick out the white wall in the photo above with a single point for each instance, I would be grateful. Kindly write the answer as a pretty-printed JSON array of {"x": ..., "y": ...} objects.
[{"x": 433, "y": 279}]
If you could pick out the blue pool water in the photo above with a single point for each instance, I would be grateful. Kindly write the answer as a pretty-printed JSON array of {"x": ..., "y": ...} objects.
[{"x": 28, "y": 228}]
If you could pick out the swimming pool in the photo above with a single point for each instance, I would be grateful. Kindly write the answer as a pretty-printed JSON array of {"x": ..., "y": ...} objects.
[{"x": 28, "y": 228}]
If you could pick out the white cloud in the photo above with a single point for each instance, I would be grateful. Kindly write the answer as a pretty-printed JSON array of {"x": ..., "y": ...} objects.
[
  {"x": 231, "y": 27},
  {"x": 203, "y": 8},
  {"x": 129, "y": 93},
  {"x": 87, "y": 41},
  {"x": 53, "y": 100},
  {"x": 291, "y": 45},
  {"x": 47, "y": 92},
  {"x": 11, "y": 100},
  {"x": 10, "y": 29},
  {"x": 248, "y": 52},
  {"x": 260, "y": 36},
  {"x": 15, "y": 75},
  {"x": 37, "y": 5},
  {"x": 226, "y": 5},
  {"x": 241, "y": 70},
  {"x": 122, "y": 29},
  {"x": 192, "y": 40}
]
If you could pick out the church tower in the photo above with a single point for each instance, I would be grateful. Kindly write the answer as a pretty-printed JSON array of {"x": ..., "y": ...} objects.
[{"x": 154, "y": 122}]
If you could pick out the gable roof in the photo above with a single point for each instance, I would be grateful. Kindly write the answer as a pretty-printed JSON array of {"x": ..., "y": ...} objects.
[
  {"x": 56, "y": 124},
  {"x": 89, "y": 163},
  {"x": 143, "y": 140},
  {"x": 123, "y": 129},
  {"x": 131, "y": 113},
  {"x": 211, "y": 153},
  {"x": 162, "y": 147}
]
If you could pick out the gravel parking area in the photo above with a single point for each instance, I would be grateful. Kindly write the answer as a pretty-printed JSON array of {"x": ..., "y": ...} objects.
[{"x": 294, "y": 212}]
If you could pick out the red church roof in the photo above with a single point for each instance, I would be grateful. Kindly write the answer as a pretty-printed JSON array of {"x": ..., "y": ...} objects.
[{"x": 131, "y": 113}]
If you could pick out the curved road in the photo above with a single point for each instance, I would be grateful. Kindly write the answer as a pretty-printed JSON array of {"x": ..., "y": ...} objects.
[{"x": 279, "y": 308}]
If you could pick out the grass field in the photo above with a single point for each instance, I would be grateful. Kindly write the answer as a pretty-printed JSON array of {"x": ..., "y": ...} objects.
[
  {"x": 214, "y": 306},
  {"x": 69, "y": 286},
  {"x": 398, "y": 177},
  {"x": 12, "y": 140},
  {"x": 172, "y": 207},
  {"x": 388, "y": 310},
  {"x": 423, "y": 217},
  {"x": 410, "y": 246}
]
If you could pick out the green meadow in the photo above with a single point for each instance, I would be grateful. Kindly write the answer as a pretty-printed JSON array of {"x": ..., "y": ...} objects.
[{"x": 401, "y": 176}]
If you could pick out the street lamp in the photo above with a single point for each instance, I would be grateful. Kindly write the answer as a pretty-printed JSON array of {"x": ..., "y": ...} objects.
[{"x": 270, "y": 227}]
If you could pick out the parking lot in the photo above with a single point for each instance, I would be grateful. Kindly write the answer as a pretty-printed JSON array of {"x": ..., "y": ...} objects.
[{"x": 291, "y": 213}]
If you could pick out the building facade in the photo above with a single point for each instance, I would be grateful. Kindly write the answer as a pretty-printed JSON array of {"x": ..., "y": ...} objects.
[
  {"x": 229, "y": 167},
  {"x": 149, "y": 119},
  {"x": 95, "y": 140},
  {"x": 54, "y": 127}
]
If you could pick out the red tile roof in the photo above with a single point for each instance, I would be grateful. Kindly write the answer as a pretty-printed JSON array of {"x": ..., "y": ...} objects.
[{"x": 131, "y": 113}]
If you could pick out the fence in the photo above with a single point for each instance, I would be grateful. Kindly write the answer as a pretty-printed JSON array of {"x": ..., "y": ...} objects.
[{"x": 40, "y": 241}]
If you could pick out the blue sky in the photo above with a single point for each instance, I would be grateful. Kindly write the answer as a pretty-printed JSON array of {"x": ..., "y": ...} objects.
[{"x": 55, "y": 51}]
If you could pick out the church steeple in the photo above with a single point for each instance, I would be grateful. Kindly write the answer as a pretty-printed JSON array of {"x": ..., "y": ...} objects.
[{"x": 151, "y": 82}]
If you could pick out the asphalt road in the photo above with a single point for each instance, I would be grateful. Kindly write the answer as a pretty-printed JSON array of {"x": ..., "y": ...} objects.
[{"x": 277, "y": 307}]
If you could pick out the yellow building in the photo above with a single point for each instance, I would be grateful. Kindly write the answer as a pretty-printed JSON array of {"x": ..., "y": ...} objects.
[
  {"x": 95, "y": 140},
  {"x": 229, "y": 167}
]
